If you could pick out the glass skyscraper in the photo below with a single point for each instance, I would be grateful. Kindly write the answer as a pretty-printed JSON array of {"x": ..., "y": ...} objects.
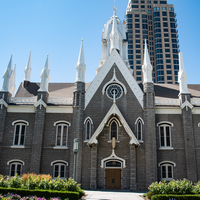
[{"x": 156, "y": 22}]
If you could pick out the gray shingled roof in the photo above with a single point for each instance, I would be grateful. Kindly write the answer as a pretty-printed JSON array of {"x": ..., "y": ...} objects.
[{"x": 67, "y": 89}]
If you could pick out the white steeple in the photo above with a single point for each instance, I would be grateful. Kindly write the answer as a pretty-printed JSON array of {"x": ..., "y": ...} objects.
[
  {"x": 182, "y": 76},
  {"x": 114, "y": 36},
  {"x": 80, "y": 66},
  {"x": 147, "y": 67},
  {"x": 12, "y": 85},
  {"x": 9, "y": 79},
  {"x": 28, "y": 69},
  {"x": 45, "y": 76}
]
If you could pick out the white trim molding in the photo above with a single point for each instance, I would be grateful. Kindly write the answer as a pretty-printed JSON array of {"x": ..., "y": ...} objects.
[
  {"x": 114, "y": 58},
  {"x": 62, "y": 122},
  {"x": 195, "y": 101},
  {"x": 114, "y": 119},
  {"x": 187, "y": 104},
  {"x": 114, "y": 111},
  {"x": 15, "y": 160},
  {"x": 167, "y": 162},
  {"x": 165, "y": 122},
  {"x": 88, "y": 118},
  {"x": 23, "y": 100},
  {"x": 113, "y": 157},
  {"x": 114, "y": 80},
  {"x": 139, "y": 118},
  {"x": 20, "y": 121},
  {"x": 40, "y": 103},
  {"x": 54, "y": 100},
  {"x": 3, "y": 103},
  {"x": 167, "y": 101},
  {"x": 168, "y": 110},
  {"x": 59, "y": 109},
  {"x": 59, "y": 161},
  {"x": 21, "y": 109}
]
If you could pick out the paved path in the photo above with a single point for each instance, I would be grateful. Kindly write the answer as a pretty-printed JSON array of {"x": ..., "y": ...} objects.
[{"x": 112, "y": 195}]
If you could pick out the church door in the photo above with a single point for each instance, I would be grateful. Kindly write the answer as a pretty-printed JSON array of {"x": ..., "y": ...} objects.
[{"x": 113, "y": 178}]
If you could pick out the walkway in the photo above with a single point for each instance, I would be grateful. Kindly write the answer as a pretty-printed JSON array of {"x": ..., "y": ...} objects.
[{"x": 112, "y": 195}]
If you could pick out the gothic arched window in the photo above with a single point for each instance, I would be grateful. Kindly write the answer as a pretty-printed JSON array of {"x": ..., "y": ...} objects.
[
  {"x": 88, "y": 128},
  {"x": 139, "y": 124},
  {"x": 113, "y": 130}
]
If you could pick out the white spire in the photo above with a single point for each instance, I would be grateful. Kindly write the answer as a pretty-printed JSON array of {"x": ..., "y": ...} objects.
[
  {"x": 28, "y": 69},
  {"x": 45, "y": 76},
  {"x": 12, "y": 85},
  {"x": 114, "y": 36},
  {"x": 6, "y": 76},
  {"x": 147, "y": 67},
  {"x": 182, "y": 76},
  {"x": 80, "y": 66}
]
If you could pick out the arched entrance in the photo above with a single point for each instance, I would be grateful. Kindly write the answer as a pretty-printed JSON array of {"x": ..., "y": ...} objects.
[{"x": 113, "y": 171}]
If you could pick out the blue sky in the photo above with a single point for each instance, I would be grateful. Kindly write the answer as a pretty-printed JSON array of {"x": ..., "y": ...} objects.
[{"x": 56, "y": 27}]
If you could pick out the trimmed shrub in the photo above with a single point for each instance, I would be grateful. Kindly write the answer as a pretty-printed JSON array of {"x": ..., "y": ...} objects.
[
  {"x": 173, "y": 187},
  {"x": 175, "y": 197},
  {"x": 41, "y": 193}
]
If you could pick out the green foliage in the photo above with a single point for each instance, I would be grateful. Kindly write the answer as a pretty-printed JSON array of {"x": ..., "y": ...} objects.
[
  {"x": 41, "y": 182},
  {"x": 173, "y": 187},
  {"x": 197, "y": 188},
  {"x": 175, "y": 197},
  {"x": 149, "y": 195},
  {"x": 41, "y": 193}
]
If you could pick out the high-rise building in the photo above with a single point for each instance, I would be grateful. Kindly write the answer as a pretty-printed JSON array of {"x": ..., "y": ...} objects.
[{"x": 156, "y": 22}]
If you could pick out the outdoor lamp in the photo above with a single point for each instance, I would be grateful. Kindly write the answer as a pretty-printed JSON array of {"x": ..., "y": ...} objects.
[{"x": 76, "y": 145}]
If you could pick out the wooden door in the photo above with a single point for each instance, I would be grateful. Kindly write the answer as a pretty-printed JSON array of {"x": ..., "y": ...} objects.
[{"x": 113, "y": 178}]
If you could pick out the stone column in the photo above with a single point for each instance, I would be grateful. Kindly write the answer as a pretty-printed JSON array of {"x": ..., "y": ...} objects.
[
  {"x": 133, "y": 168},
  {"x": 93, "y": 172},
  {"x": 38, "y": 134},
  {"x": 77, "y": 127},
  {"x": 4, "y": 96},
  {"x": 150, "y": 134},
  {"x": 190, "y": 156}
]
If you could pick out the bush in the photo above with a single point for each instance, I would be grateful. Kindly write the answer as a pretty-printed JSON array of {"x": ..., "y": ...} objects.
[
  {"x": 44, "y": 182},
  {"x": 41, "y": 193},
  {"x": 175, "y": 197},
  {"x": 173, "y": 187}
]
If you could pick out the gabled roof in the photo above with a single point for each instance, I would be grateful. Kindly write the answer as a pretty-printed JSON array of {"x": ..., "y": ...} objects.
[
  {"x": 114, "y": 110},
  {"x": 114, "y": 58}
]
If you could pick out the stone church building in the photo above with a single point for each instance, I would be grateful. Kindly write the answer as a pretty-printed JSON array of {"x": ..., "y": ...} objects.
[{"x": 130, "y": 134}]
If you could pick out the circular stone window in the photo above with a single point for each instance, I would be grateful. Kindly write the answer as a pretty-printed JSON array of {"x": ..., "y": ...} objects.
[{"x": 114, "y": 91}]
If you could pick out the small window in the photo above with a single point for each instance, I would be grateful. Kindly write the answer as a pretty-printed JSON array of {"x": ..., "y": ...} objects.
[
  {"x": 88, "y": 128},
  {"x": 61, "y": 133},
  {"x": 59, "y": 170},
  {"x": 15, "y": 168},
  {"x": 139, "y": 123},
  {"x": 19, "y": 134},
  {"x": 165, "y": 135},
  {"x": 167, "y": 172}
]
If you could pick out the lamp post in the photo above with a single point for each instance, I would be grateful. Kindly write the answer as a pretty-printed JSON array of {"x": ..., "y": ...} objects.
[{"x": 75, "y": 149}]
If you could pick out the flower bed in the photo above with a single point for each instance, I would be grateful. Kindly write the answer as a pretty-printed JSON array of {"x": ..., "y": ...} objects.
[
  {"x": 176, "y": 189},
  {"x": 39, "y": 183}
]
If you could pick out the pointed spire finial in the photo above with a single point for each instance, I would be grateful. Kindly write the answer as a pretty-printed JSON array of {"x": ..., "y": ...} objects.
[
  {"x": 147, "y": 67},
  {"x": 28, "y": 69},
  {"x": 80, "y": 66},
  {"x": 45, "y": 76},
  {"x": 115, "y": 8},
  {"x": 182, "y": 76}
]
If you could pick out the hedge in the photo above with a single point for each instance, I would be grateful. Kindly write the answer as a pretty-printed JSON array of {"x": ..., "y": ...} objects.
[
  {"x": 175, "y": 197},
  {"x": 41, "y": 193}
]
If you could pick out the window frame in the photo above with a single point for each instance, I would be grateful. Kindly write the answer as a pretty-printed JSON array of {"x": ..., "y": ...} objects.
[
  {"x": 62, "y": 124},
  {"x": 139, "y": 120},
  {"x": 59, "y": 163},
  {"x": 164, "y": 125},
  {"x": 15, "y": 162},
  {"x": 166, "y": 165},
  {"x": 110, "y": 125},
  {"x": 20, "y": 124}
]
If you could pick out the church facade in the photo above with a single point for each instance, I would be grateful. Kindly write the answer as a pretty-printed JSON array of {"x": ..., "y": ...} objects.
[{"x": 130, "y": 134}]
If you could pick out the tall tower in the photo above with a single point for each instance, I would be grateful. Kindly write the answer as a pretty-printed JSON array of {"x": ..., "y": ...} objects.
[{"x": 156, "y": 22}]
